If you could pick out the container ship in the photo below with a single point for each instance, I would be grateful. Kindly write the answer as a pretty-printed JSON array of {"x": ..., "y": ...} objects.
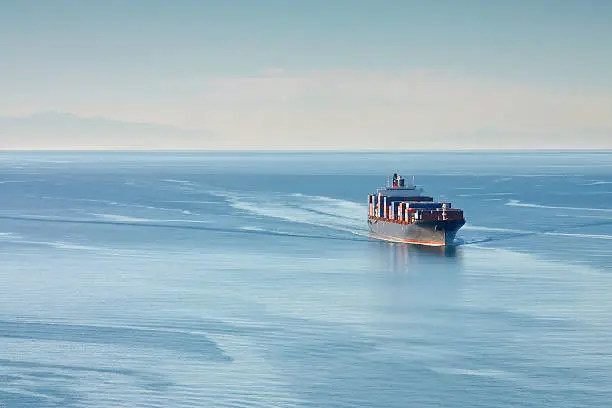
[{"x": 400, "y": 212}]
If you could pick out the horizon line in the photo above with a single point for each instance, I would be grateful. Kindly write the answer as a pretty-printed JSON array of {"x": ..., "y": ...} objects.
[{"x": 287, "y": 150}]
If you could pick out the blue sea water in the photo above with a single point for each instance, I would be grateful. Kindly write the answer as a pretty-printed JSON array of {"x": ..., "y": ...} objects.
[{"x": 249, "y": 280}]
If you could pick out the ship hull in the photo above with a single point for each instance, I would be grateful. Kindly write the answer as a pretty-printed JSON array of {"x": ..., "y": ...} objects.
[{"x": 438, "y": 233}]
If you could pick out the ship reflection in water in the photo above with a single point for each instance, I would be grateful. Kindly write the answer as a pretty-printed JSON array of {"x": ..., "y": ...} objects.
[
  {"x": 412, "y": 277},
  {"x": 406, "y": 254}
]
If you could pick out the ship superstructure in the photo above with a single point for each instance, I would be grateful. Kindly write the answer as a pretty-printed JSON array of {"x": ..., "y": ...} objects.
[{"x": 401, "y": 212}]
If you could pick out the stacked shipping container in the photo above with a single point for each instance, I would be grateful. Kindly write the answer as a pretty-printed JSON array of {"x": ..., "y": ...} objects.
[{"x": 407, "y": 211}]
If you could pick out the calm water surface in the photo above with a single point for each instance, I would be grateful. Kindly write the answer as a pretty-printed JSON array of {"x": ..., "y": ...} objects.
[{"x": 249, "y": 280}]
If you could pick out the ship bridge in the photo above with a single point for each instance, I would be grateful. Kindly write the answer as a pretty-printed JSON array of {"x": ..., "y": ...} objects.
[{"x": 399, "y": 188}]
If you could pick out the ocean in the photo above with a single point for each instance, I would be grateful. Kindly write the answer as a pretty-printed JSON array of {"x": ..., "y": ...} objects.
[{"x": 235, "y": 279}]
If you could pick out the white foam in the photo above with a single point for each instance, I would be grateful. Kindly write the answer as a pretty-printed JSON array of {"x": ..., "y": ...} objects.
[
  {"x": 517, "y": 231},
  {"x": 126, "y": 205},
  {"x": 597, "y": 182},
  {"x": 28, "y": 393},
  {"x": 473, "y": 372},
  {"x": 185, "y": 182},
  {"x": 249, "y": 228},
  {"x": 517, "y": 203},
  {"x": 55, "y": 244},
  {"x": 320, "y": 211},
  {"x": 122, "y": 218},
  {"x": 592, "y": 236},
  {"x": 68, "y": 245},
  {"x": 336, "y": 207},
  {"x": 483, "y": 194},
  {"x": 479, "y": 228},
  {"x": 8, "y": 236},
  {"x": 187, "y": 221},
  {"x": 192, "y": 202}
]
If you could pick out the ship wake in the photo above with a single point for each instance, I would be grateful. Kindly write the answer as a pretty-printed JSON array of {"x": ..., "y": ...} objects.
[{"x": 319, "y": 211}]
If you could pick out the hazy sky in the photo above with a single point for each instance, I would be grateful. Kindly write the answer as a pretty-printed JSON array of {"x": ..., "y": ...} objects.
[{"x": 317, "y": 73}]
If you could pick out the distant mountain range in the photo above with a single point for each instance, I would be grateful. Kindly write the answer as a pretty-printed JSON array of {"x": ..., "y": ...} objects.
[{"x": 59, "y": 131}]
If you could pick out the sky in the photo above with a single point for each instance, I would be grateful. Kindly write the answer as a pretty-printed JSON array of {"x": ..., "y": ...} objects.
[{"x": 306, "y": 74}]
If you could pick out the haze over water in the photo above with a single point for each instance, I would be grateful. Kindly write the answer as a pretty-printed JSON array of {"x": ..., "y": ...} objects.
[{"x": 249, "y": 280}]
